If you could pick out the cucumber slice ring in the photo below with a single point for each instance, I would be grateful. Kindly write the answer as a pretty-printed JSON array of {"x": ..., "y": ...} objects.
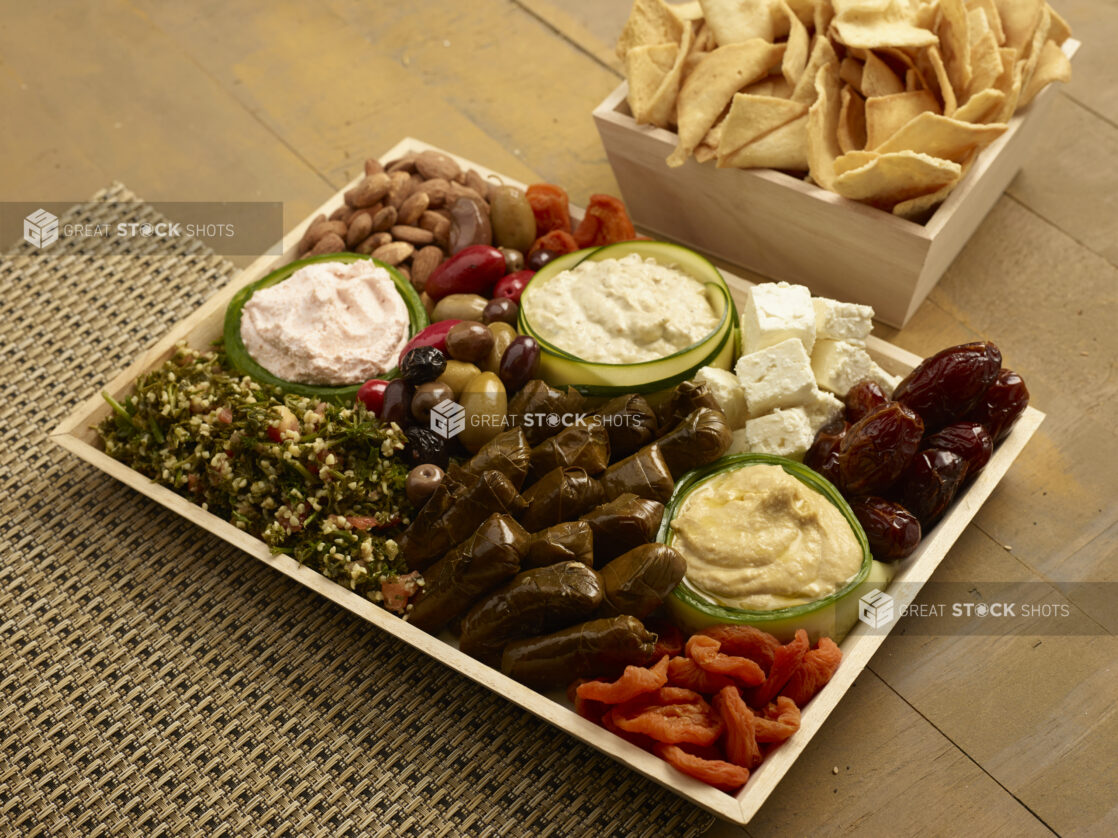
[
  {"x": 244, "y": 363},
  {"x": 690, "y": 598}
]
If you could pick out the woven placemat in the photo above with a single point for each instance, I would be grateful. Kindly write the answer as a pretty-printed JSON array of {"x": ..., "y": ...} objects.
[{"x": 157, "y": 681}]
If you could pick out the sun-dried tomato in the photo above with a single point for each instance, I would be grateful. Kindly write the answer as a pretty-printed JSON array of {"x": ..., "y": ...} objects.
[
  {"x": 550, "y": 206},
  {"x": 704, "y": 651},
  {"x": 606, "y": 221},
  {"x": 715, "y": 772},
  {"x": 633, "y": 682}
]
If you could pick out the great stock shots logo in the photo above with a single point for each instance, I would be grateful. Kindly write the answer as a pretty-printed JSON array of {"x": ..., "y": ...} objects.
[
  {"x": 875, "y": 609},
  {"x": 40, "y": 228},
  {"x": 448, "y": 419}
]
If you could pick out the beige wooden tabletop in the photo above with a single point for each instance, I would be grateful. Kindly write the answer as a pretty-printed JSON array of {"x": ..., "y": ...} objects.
[{"x": 281, "y": 101}]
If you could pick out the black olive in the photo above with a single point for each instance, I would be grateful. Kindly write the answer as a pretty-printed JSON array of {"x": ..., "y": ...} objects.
[
  {"x": 422, "y": 364},
  {"x": 396, "y": 406},
  {"x": 540, "y": 258},
  {"x": 425, "y": 446}
]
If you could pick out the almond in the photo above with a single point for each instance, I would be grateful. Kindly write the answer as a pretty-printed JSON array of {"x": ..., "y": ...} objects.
[
  {"x": 343, "y": 213},
  {"x": 413, "y": 208},
  {"x": 330, "y": 243},
  {"x": 404, "y": 271},
  {"x": 477, "y": 183},
  {"x": 436, "y": 190},
  {"x": 458, "y": 190},
  {"x": 373, "y": 166},
  {"x": 402, "y": 164},
  {"x": 435, "y": 164},
  {"x": 399, "y": 188},
  {"x": 360, "y": 228},
  {"x": 393, "y": 253},
  {"x": 384, "y": 219},
  {"x": 305, "y": 242},
  {"x": 412, "y": 235},
  {"x": 422, "y": 263},
  {"x": 373, "y": 242},
  {"x": 370, "y": 190}
]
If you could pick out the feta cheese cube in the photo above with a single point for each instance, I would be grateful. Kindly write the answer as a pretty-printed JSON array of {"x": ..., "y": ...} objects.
[
  {"x": 888, "y": 382},
  {"x": 774, "y": 312},
  {"x": 839, "y": 365},
  {"x": 822, "y": 408},
  {"x": 786, "y": 433},
  {"x": 778, "y": 376},
  {"x": 738, "y": 444},
  {"x": 727, "y": 391},
  {"x": 842, "y": 321}
]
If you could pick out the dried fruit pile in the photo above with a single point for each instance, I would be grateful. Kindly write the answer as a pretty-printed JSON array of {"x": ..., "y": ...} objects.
[{"x": 716, "y": 711}]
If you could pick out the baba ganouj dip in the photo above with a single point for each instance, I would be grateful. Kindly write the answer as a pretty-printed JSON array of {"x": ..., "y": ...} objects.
[
  {"x": 622, "y": 311},
  {"x": 758, "y": 539},
  {"x": 331, "y": 323}
]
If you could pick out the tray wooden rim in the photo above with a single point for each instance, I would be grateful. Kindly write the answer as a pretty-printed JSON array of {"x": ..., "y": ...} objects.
[{"x": 75, "y": 435}]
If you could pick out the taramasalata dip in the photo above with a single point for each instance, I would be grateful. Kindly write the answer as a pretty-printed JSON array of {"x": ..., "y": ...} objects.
[
  {"x": 332, "y": 323},
  {"x": 622, "y": 311},
  {"x": 757, "y": 538}
]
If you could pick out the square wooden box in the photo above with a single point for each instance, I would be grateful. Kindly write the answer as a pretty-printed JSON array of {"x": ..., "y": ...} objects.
[{"x": 786, "y": 229}]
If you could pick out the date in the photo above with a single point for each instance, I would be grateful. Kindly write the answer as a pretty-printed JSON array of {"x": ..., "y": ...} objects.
[
  {"x": 970, "y": 440},
  {"x": 944, "y": 387},
  {"x": 1001, "y": 405},
  {"x": 823, "y": 454},
  {"x": 892, "y": 530},
  {"x": 876, "y": 450},
  {"x": 863, "y": 398},
  {"x": 931, "y": 482}
]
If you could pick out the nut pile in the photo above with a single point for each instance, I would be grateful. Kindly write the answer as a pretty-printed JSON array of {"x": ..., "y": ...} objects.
[{"x": 401, "y": 214}]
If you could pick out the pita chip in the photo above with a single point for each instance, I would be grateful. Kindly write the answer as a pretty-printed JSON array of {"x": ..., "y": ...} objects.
[
  {"x": 885, "y": 115},
  {"x": 852, "y": 121},
  {"x": 823, "y": 119},
  {"x": 1051, "y": 66},
  {"x": 771, "y": 85},
  {"x": 878, "y": 23},
  {"x": 752, "y": 117},
  {"x": 784, "y": 148},
  {"x": 878, "y": 79},
  {"x": 979, "y": 106},
  {"x": 738, "y": 21},
  {"x": 854, "y": 160},
  {"x": 892, "y": 178},
  {"x": 1020, "y": 19},
  {"x": 993, "y": 19},
  {"x": 942, "y": 136},
  {"x": 712, "y": 84},
  {"x": 795, "y": 54},
  {"x": 821, "y": 53},
  {"x": 650, "y": 22}
]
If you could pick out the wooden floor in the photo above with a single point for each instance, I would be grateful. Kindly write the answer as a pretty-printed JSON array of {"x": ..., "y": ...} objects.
[{"x": 943, "y": 735}]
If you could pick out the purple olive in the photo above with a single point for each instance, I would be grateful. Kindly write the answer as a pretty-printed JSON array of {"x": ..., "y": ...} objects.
[
  {"x": 396, "y": 406},
  {"x": 540, "y": 258},
  {"x": 520, "y": 363},
  {"x": 500, "y": 310}
]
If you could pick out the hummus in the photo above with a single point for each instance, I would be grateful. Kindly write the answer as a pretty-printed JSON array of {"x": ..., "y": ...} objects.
[
  {"x": 622, "y": 311},
  {"x": 759, "y": 539},
  {"x": 332, "y": 323}
]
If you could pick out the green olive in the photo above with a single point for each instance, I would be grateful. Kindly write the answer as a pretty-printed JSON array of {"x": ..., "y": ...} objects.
[
  {"x": 512, "y": 219},
  {"x": 503, "y": 335},
  {"x": 459, "y": 307},
  {"x": 457, "y": 375},
  {"x": 485, "y": 404}
]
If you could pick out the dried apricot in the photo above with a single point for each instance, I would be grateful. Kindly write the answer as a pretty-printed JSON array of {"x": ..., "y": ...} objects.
[
  {"x": 786, "y": 660},
  {"x": 715, "y": 772},
  {"x": 550, "y": 206},
  {"x": 747, "y": 642},
  {"x": 557, "y": 241},
  {"x": 813, "y": 673},
  {"x": 684, "y": 672},
  {"x": 777, "y": 721},
  {"x": 705, "y": 652},
  {"x": 634, "y": 681},
  {"x": 606, "y": 221},
  {"x": 691, "y": 721},
  {"x": 741, "y": 736}
]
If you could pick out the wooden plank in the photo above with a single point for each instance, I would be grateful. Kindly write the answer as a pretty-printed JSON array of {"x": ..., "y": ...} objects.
[
  {"x": 591, "y": 25},
  {"x": 1092, "y": 81},
  {"x": 142, "y": 112},
  {"x": 897, "y": 775},
  {"x": 1041, "y": 742},
  {"x": 1078, "y": 147}
]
